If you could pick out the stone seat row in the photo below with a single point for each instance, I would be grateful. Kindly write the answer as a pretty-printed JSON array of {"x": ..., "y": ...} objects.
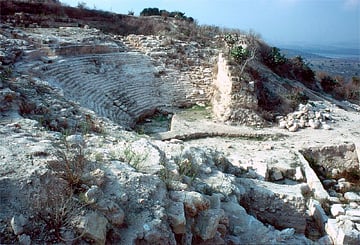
[{"x": 134, "y": 94}]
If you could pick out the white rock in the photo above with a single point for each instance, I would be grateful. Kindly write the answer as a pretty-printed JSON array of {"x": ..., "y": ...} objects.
[
  {"x": 334, "y": 200},
  {"x": 341, "y": 180},
  {"x": 282, "y": 124},
  {"x": 315, "y": 124},
  {"x": 353, "y": 212},
  {"x": 17, "y": 224},
  {"x": 353, "y": 205},
  {"x": 343, "y": 186},
  {"x": 298, "y": 174},
  {"x": 337, "y": 210},
  {"x": 352, "y": 197},
  {"x": 294, "y": 127},
  {"x": 176, "y": 141},
  {"x": 75, "y": 139},
  {"x": 302, "y": 123},
  {"x": 318, "y": 115},
  {"x": 326, "y": 126}
]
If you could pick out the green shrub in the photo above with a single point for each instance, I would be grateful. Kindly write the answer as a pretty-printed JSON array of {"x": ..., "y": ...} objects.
[
  {"x": 133, "y": 158},
  {"x": 187, "y": 168},
  {"x": 302, "y": 71},
  {"x": 231, "y": 39},
  {"x": 328, "y": 84},
  {"x": 274, "y": 57},
  {"x": 150, "y": 12},
  {"x": 239, "y": 54},
  {"x": 296, "y": 97}
]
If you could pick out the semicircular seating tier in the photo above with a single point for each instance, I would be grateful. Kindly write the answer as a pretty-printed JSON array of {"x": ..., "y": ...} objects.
[{"x": 123, "y": 87}]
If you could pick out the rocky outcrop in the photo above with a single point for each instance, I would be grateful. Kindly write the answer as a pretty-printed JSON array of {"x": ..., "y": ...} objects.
[
  {"x": 334, "y": 161},
  {"x": 102, "y": 78},
  {"x": 68, "y": 175},
  {"x": 280, "y": 205}
]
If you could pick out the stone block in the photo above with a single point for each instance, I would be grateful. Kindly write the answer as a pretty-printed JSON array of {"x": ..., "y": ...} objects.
[
  {"x": 337, "y": 209},
  {"x": 342, "y": 233},
  {"x": 282, "y": 206},
  {"x": 353, "y": 212},
  {"x": 207, "y": 223},
  {"x": 352, "y": 197},
  {"x": 318, "y": 213},
  {"x": 93, "y": 226},
  {"x": 194, "y": 202},
  {"x": 17, "y": 224},
  {"x": 177, "y": 218}
]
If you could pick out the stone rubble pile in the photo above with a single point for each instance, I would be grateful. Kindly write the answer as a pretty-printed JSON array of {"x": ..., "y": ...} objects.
[
  {"x": 313, "y": 115},
  {"x": 344, "y": 225}
]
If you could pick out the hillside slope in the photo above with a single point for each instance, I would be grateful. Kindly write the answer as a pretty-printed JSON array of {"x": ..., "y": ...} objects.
[{"x": 216, "y": 170}]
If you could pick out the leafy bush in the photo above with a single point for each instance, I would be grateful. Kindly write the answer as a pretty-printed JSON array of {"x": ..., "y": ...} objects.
[
  {"x": 231, "y": 39},
  {"x": 302, "y": 71},
  {"x": 187, "y": 168},
  {"x": 353, "y": 89},
  {"x": 296, "y": 97},
  {"x": 328, "y": 84},
  {"x": 239, "y": 54},
  {"x": 274, "y": 57},
  {"x": 150, "y": 12}
]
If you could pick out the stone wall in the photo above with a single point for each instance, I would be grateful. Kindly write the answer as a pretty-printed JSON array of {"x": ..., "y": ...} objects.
[
  {"x": 184, "y": 67},
  {"x": 234, "y": 99}
]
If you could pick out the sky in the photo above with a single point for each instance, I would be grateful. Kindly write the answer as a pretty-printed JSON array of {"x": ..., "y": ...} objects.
[{"x": 285, "y": 22}]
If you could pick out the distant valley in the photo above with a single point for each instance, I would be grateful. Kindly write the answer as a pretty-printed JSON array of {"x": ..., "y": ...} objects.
[{"x": 334, "y": 60}]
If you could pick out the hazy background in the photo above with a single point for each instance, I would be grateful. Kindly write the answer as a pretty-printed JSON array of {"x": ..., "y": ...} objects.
[{"x": 287, "y": 23}]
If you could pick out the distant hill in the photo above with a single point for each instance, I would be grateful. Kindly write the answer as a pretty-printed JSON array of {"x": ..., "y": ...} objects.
[
  {"x": 323, "y": 51},
  {"x": 290, "y": 53}
]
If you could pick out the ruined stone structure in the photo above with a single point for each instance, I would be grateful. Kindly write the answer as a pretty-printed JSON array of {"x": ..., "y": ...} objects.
[
  {"x": 202, "y": 182},
  {"x": 114, "y": 83},
  {"x": 234, "y": 98}
]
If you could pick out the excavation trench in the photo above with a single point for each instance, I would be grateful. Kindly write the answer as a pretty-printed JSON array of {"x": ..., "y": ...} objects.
[{"x": 337, "y": 168}]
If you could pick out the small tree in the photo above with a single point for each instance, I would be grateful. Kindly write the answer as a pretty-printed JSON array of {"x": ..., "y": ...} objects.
[
  {"x": 240, "y": 54},
  {"x": 328, "y": 84},
  {"x": 274, "y": 57},
  {"x": 81, "y": 5},
  {"x": 150, "y": 12}
]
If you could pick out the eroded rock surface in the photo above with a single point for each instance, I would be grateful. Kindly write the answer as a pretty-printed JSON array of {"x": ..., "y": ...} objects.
[{"x": 71, "y": 173}]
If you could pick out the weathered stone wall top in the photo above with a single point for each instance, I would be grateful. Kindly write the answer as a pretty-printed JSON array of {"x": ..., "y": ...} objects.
[
  {"x": 70, "y": 41},
  {"x": 185, "y": 67},
  {"x": 234, "y": 99}
]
